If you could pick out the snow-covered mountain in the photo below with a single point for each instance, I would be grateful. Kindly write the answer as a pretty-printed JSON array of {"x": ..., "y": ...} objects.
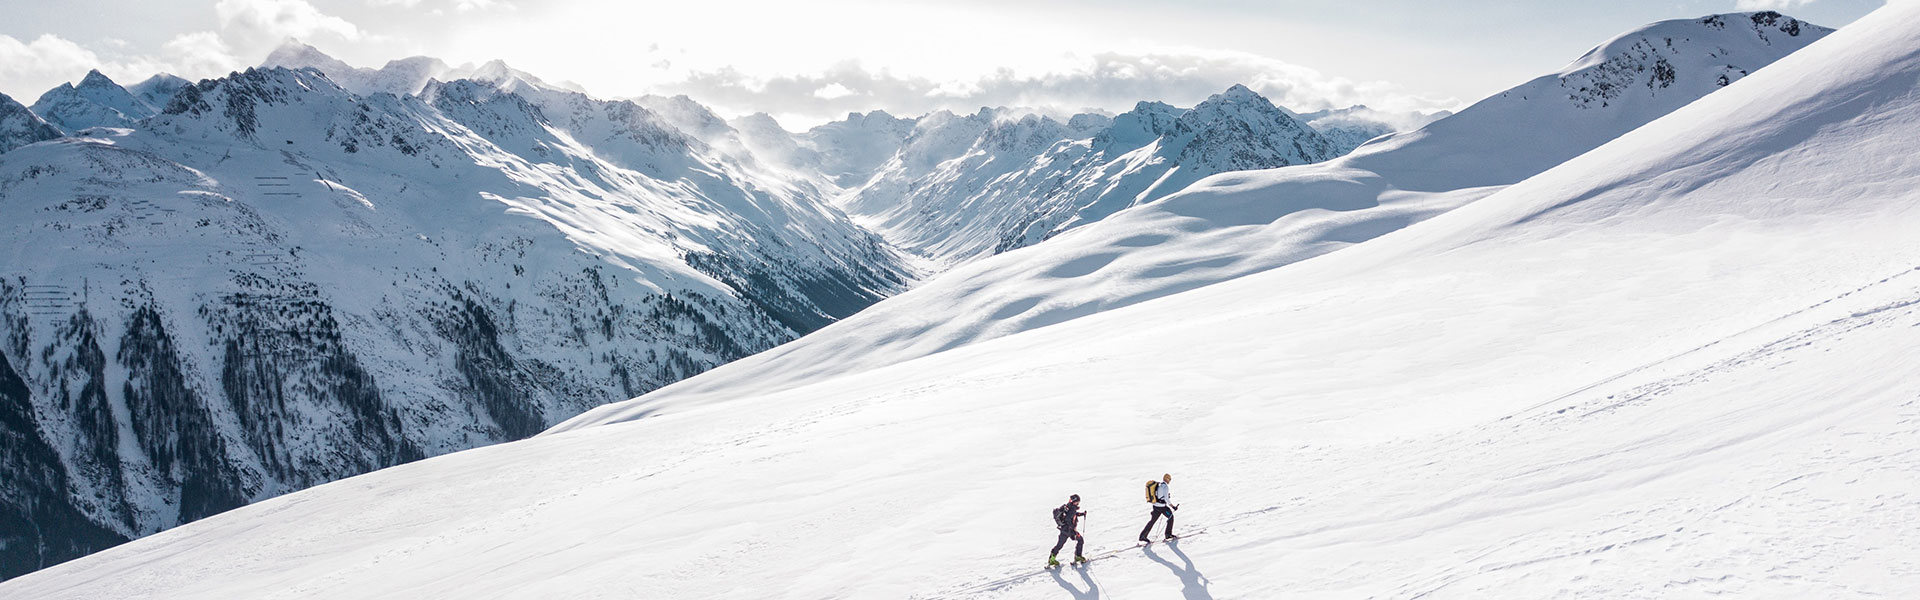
[
  {"x": 1676, "y": 365},
  {"x": 1235, "y": 224},
  {"x": 852, "y": 149},
  {"x": 19, "y": 126},
  {"x": 158, "y": 90},
  {"x": 277, "y": 283},
  {"x": 100, "y": 102},
  {"x": 399, "y": 77},
  {"x": 970, "y": 186},
  {"x": 96, "y": 102}
]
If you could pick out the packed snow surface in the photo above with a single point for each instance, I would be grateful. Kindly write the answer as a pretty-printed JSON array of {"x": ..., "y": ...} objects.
[{"x": 1678, "y": 365}]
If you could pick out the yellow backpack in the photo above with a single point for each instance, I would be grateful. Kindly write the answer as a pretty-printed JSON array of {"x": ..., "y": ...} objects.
[{"x": 1153, "y": 491}]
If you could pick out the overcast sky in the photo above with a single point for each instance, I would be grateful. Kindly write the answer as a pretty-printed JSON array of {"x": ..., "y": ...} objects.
[{"x": 809, "y": 61}]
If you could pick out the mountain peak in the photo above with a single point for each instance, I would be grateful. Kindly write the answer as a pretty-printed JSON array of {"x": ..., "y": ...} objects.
[
  {"x": 96, "y": 102},
  {"x": 497, "y": 72},
  {"x": 493, "y": 70},
  {"x": 1238, "y": 94},
  {"x": 293, "y": 53},
  {"x": 95, "y": 78},
  {"x": 1241, "y": 91},
  {"x": 875, "y": 117},
  {"x": 426, "y": 64}
]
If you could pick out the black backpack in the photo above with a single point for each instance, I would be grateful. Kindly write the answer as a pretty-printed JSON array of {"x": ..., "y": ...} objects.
[{"x": 1063, "y": 516}]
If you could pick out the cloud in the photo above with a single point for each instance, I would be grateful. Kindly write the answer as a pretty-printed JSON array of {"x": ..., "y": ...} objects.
[
  {"x": 251, "y": 22},
  {"x": 1106, "y": 81},
  {"x": 195, "y": 53},
  {"x": 440, "y": 6},
  {"x": 832, "y": 90},
  {"x": 47, "y": 61},
  {"x": 248, "y": 28},
  {"x": 29, "y": 68},
  {"x": 1770, "y": 4}
]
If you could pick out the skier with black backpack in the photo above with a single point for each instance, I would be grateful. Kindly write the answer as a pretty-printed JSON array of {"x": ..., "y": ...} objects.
[
  {"x": 1067, "y": 518},
  {"x": 1159, "y": 495}
]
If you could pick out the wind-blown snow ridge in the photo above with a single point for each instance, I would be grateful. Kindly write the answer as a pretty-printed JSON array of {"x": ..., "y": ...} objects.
[{"x": 1676, "y": 365}]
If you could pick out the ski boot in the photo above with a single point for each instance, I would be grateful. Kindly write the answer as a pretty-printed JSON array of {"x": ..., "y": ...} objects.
[
  {"x": 1053, "y": 560},
  {"x": 1079, "y": 560}
]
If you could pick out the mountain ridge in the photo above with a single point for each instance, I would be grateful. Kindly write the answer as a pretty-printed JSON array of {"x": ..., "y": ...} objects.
[{"x": 275, "y": 282}]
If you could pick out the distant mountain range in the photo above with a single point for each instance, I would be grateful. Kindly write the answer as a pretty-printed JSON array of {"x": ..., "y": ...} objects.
[{"x": 1232, "y": 225}]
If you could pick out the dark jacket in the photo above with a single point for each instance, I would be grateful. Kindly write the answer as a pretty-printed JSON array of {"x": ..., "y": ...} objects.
[{"x": 1071, "y": 513}]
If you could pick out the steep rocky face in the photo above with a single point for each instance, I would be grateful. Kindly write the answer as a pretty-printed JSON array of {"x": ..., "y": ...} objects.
[
  {"x": 39, "y": 526},
  {"x": 96, "y": 102},
  {"x": 277, "y": 283},
  {"x": 19, "y": 126}
]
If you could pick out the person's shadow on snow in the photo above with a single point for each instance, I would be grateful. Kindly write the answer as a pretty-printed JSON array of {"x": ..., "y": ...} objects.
[
  {"x": 1193, "y": 585},
  {"x": 1093, "y": 590}
]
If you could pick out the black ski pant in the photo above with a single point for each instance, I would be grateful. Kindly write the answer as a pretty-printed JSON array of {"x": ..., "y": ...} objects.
[
  {"x": 1079, "y": 543},
  {"x": 1157, "y": 511}
]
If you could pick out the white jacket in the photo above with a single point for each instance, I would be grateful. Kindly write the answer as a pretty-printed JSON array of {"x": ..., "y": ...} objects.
[{"x": 1162, "y": 496}]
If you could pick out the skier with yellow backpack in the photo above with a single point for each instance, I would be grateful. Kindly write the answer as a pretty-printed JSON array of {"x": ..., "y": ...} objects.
[{"x": 1160, "y": 496}]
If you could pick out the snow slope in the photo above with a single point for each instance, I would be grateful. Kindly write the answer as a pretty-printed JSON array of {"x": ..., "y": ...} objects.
[
  {"x": 1678, "y": 365},
  {"x": 1235, "y": 224}
]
